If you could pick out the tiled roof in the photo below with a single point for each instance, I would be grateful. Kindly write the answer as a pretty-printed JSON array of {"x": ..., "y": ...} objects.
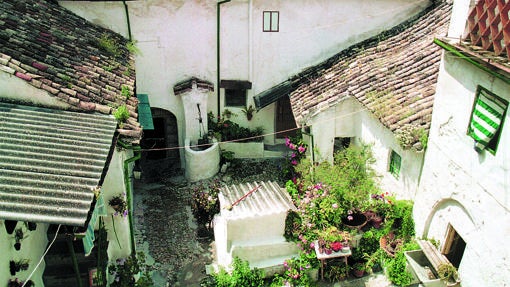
[
  {"x": 80, "y": 63},
  {"x": 267, "y": 198},
  {"x": 393, "y": 75},
  {"x": 488, "y": 26},
  {"x": 50, "y": 162}
]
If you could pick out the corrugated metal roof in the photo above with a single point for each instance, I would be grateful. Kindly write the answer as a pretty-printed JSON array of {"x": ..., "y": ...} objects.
[
  {"x": 50, "y": 160},
  {"x": 268, "y": 198}
]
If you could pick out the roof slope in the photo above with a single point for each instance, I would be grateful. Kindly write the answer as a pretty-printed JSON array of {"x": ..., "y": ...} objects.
[
  {"x": 50, "y": 161},
  {"x": 393, "y": 74},
  {"x": 267, "y": 198},
  {"x": 80, "y": 63}
]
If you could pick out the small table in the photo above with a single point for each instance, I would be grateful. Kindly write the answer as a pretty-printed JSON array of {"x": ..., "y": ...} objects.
[{"x": 323, "y": 256}]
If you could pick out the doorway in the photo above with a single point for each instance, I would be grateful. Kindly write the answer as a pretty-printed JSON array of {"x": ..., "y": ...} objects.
[
  {"x": 160, "y": 146},
  {"x": 285, "y": 123},
  {"x": 454, "y": 246}
]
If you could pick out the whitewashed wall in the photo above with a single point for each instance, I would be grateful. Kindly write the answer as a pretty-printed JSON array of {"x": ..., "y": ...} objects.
[
  {"x": 350, "y": 119},
  {"x": 32, "y": 248},
  {"x": 114, "y": 185},
  {"x": 178, "y": 40},
  {"x": 461, "y": 187}
]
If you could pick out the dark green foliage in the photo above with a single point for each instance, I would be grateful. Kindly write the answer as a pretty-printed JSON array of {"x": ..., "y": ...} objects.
[
  {"x": 241, "y": 275},
  {"x": 396, "y": 266}
]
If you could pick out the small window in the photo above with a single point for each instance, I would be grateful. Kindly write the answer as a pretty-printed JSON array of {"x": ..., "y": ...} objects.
[
  {"x": 395, "y": 161},
  {"x": 235, "y": 98},
  {"x": 235, "y": 92},
  {"x": 487, "y": 120},
  {"x": 271, "y": 21}
]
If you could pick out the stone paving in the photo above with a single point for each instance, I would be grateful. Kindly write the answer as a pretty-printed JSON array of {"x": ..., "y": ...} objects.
[{"x": 166, "y": 231}]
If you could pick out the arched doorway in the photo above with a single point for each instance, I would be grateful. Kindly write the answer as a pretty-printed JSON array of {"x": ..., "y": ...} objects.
[{"x": 160, "y": 155}]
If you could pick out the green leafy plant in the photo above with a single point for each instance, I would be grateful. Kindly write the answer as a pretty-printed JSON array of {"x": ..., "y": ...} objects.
[
  {"x": 231, "y": 131},
  {"x": 109, "y": 45},
  {"x": 447, "y": 272},
  {"x": 396, "y": 266},
  {"x": 125, "y": 269},
  {"x": 226, "y": 156},
  {"x": 241, "y": 275},
  {"x": 205, "y": 203},
  {"x": 248, "y": 111},
  {"x": 295, "y": 274},
  {"x": 133, "y": 48},
  {"x": 125, "y": 91},
  {"x": 121, "y": 114}
]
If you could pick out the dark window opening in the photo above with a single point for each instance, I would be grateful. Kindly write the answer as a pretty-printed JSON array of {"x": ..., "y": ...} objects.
[
  {"x": 341, "y": 144},
  {"x": 454, "y": 246},
  {"x": 395, "y": 162},
  {"x": 235, "y": 98}
]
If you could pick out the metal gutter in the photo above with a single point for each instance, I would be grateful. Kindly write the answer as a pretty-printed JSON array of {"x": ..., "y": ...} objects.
[
  {"x": 478, "y": 63},
  {"x": 127, "y": 19}
]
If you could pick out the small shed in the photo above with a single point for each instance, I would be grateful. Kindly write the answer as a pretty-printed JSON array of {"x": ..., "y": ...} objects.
[{"x": 251, "y": 225}]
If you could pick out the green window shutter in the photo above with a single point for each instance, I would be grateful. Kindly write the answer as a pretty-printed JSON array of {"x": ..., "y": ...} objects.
[
  {"x": 486, "y": 119},
  {"x": 144, "y": 112},
  {"x": 395, "y": 162}
]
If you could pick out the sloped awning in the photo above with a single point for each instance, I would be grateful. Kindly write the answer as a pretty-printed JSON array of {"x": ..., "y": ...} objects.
[
  {"x": 144, "y": 112},
  {"x": 255, "y": 199},
  {"x": 272, "y": 95},
  {"x": 50, "y": 163}
]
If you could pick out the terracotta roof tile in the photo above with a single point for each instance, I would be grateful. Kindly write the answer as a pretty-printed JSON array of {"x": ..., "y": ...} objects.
[
  {"x": 53, "y": 49},
  {"x": 393, "y": 74}
]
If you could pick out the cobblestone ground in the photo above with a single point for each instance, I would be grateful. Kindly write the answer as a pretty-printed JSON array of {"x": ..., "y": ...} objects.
[{"x": 166, "y": 230}]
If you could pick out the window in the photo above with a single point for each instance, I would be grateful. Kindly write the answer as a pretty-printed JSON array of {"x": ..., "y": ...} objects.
[
  {"x": 235, "y": 92},
  {"x": 395, "y": 161},
  {"x": 487, "y": 120},
  {"x": 271, "y": 21},
  {"x": 235, "y": 98}
]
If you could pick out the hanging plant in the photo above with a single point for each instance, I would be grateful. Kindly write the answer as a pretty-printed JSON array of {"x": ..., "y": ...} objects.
[{"x": 118, "y": 203}]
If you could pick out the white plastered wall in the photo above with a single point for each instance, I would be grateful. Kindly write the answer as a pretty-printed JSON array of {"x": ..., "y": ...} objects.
[
  {"x": 461, "y": 187},
  {"x": 350, "y": 119},
  {"x": 177, "y": 40}
]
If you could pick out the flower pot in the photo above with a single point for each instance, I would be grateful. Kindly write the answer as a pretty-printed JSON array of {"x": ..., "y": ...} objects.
[
  {"x": 355, "y": 220},
  {"x": 358, "y": 273}
]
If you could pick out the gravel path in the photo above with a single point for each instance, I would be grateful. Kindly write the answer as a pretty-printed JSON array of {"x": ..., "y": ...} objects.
[{"x": 166, "y": 230}]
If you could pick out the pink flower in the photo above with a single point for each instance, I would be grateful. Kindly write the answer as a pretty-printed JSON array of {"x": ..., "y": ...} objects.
[
  {"x": 336, "y": 246},
  {"x": 335, "y": 205},
  {"x": 350, "y": 217},
  {"x": 287, "y": 141},
  {"x": 312, "y": 245},
  {"x": 293, "y": 155},
  {"x": 301, "y": 149},
  {"x": 292, "y": 146},
  {"x": 294, "y": 162}
]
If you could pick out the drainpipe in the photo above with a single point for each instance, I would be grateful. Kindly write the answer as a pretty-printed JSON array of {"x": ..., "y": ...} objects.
[
  {"x": 127, "y": 184},
  {"x": 127, "y": 19},
  {"x": 306, "y": 131},
  {"x": 218, "y": 52}
]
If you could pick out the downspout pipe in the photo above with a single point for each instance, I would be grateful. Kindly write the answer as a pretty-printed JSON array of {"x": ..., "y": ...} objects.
[
  {"x": 127, "y": 19},
  {"x": 127, "y": 183},
  {"x": 218, "y": 4}
]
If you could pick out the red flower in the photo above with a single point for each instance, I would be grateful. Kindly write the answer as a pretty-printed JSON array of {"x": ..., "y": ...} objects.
[{"x": 336, "y": 246}]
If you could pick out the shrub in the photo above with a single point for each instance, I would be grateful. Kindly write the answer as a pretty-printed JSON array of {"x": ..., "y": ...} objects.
[
  {"x": 121, "y": 114},
  {"x": 205, "y": 202},
  {"x": 241, "y": 275},
  {"x": 396, "y": 266},
  {"x": 124, "y": 269}
]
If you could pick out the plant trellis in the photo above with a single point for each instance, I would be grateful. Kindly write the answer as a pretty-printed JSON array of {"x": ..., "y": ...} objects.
[{"x": 486, "y": 119}]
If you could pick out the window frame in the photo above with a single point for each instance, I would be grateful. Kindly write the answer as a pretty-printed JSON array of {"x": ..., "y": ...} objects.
[
  {"x": 393, "y": 162},
  {"x": 493, "y": 144},
  {"x": 272, "y": 27}
]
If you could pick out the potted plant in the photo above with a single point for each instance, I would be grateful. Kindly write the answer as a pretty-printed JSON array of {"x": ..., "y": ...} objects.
[
  {"x": 448, "y": 273},
  {"x": 358, "y": 269},
  {"x": 18, "y": 236},
  {"x": 248, "y": 111},
  {"x": 118, "y": 203}
]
